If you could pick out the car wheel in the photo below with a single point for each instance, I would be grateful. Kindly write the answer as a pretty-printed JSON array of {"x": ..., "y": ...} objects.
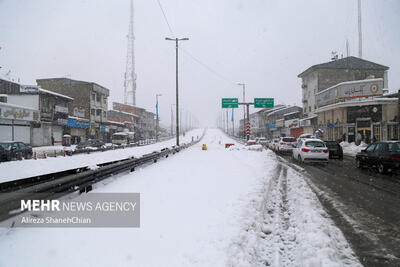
[
  {"x": 299, "y": 159},
  {"x": 340, "y": 157},
  {"x": 358, "y": 163},
  {"x": 381, "y": 168}
]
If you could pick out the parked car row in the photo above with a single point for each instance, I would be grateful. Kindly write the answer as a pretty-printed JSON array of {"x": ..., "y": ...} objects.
[{"x": 14, "y": 150}]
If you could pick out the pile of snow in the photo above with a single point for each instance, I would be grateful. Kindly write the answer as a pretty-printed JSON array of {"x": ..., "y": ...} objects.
[
  {"x": 351, "y": 149},
  {"x": 13, "y": 170},
  {"x": 284, "y": 224},
  {"x": 48, "y": 149}
]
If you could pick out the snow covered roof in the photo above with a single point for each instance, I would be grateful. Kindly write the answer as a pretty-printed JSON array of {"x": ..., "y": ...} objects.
[
  {"x": 291, "y": 113},
  {"x": 361, "y": 102},
  {"x": 309, "y": 118},
  {"x": 54, "y": 93},
  {"x": 346, "y": 63}
]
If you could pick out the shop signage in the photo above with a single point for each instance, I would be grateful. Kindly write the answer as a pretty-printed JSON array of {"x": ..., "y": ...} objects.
[
  {"x": 79, "y": 112},
  {"x": 61, "y": 109},
  {"x": 62, "y": 122},
  {"x": 294, "y": 123},
  {"x": 104, "y": 128},
  {"x": 349, "y": 90},
  {"x": 28, "y": 89},
  {"x": 272, "y": 126},
  {"x": 78, "y": 124},
  {"x": 16, "y": 113},
  {"x": 372, "y": 111},
  {"x": 330, "y": 125},
  {"x": 305, "y": 123}
]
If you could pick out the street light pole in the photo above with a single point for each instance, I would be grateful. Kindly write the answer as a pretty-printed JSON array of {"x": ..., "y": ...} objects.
[
  {"x": 177, "y": 98},
  {"x": 157, "y": 120},
  {"x": 244, "y": 109}
]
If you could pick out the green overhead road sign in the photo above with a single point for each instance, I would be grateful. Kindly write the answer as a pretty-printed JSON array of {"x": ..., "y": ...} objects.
[
  {"x": 230, "y": 103},
  {"x": 263, "y": 102}
]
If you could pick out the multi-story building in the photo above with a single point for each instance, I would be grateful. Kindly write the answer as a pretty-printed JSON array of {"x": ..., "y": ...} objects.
[
  {"x": 276, "y": 121},
  {"x": 48, "y": 127},
  {"x": 322, "y": 76},
  {"x": 145, "y": 124},
  {"x": 88, "y": 111}
]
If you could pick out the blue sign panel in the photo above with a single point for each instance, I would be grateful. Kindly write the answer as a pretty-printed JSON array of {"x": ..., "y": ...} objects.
[
  {"x": 272, "y": 126},
  {"x": 78, "y": 124}
]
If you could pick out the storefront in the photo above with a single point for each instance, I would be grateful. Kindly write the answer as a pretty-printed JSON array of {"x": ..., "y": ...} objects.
[
  {"x": 78, "y": 129},
  {"x": 367, "y": 121},
  {"x": 16, "y": 121}
]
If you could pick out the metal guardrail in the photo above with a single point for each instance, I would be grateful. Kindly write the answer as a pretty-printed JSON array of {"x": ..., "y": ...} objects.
[{"x": 78, "y": 179}]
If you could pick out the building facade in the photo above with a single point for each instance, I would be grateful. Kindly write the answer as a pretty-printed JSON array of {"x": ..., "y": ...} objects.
[
  {"x": 88, "y": 111},
  {"x": 322, "y": 76}
]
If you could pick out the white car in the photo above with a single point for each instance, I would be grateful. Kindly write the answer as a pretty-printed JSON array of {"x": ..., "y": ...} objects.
[
  {"x": 286, "y": 144},
  {"x": 261, "y": 140},
  {"x": 311, "y": 150},
  {"x": 273, "y": 145}
]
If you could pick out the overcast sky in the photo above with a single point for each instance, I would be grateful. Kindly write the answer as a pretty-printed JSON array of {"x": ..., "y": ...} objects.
[{"x": 265, "y": 43}]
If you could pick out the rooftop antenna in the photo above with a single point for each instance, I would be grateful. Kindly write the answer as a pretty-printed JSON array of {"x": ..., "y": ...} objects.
[
  {"x": 130, "y": 75},
  {"x": 347, "y": 48},
  {"x": 359, "y": 30}
]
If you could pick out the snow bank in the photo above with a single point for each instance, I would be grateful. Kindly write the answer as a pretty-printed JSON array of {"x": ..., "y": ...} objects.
[
  {"x": 285, "y": 225},
  {"x": 351, "y": 149},
  {"x": 13, "y": 170}
]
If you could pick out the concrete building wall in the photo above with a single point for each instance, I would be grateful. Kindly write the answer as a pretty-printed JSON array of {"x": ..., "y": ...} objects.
[
  {"x": 330, "y": 77},
  {"x": 29, "y": 101},
  {"x": 77, "y": 90},
  {"x": 389, "y": 112}
]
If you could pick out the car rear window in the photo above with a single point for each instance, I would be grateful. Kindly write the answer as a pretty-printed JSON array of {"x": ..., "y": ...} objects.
[
  {"x": 289, "y": 139},
  {"x": 315, "y": 144},
  {"x": 331, "y": 144},
  {"x": 394, "y": 147}
]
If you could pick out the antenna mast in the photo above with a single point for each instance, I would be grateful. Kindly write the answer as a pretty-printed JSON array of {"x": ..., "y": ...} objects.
[
  {"x": 359, "y": 30},
  {"x": 130, "y": 75}
]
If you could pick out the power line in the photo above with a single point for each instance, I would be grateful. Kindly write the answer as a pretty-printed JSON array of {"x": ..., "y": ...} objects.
[
  {"x": 206, "y": 66},
  {"x": 165, "y": 18},
  {"x": 189, "y": 54}
]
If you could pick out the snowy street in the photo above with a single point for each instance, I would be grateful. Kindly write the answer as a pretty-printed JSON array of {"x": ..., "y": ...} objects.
[{"x": 219, "y": 207}]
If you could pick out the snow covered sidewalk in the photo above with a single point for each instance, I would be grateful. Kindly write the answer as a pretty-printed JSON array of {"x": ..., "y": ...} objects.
[
  {"x": 13, "y": 170},
  {"x": 220, "y": 207}
]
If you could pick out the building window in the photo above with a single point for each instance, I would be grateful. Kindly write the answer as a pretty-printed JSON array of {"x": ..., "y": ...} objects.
[
  {"x": 392, "y": 132},
  {"x": 377, "y": 133},
  {"x": 104, "y": 114},
  {"x": 309, "y": 109},
  {"x": 92, "y": 111},
  {"x": 104, "y": 100},
  {"x": 93, "y": 96},
  {"x": 98, "y": 112}
]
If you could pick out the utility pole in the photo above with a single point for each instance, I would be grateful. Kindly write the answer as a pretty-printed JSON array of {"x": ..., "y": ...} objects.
[
  {"x": 244, "y": 109},
  {"x": 359, "y": 30},
  {"x": 157, "y": 120},
  {"x": 177, "y": 98}
]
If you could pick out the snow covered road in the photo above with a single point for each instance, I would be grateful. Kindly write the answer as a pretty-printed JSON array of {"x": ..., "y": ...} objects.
[{"x": 220, "y": 207}]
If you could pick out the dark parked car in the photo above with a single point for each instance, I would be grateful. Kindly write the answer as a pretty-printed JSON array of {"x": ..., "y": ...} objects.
[
  {"x": 13, "y": 150},
  {"x": 335, "y": 149},
  {"x": 90, "y": 143},
  {"x": 380, "y": 155}
]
